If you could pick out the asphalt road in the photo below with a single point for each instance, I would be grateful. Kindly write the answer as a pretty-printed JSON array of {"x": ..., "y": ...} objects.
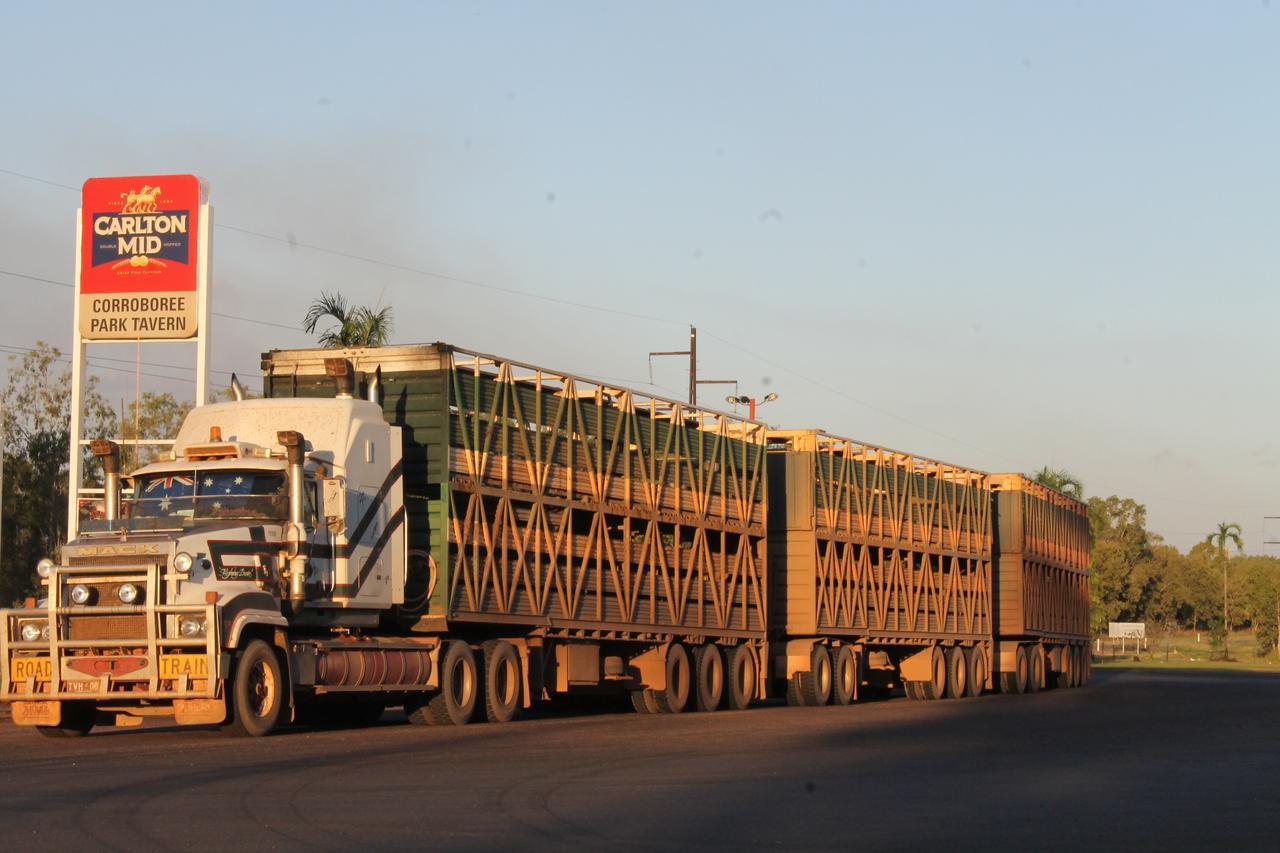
[{"x": 1136, "y": 760}]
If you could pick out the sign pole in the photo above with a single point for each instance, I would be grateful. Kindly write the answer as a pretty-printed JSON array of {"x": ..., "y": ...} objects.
[
  {"x": 77, "y": 399},
  {"x": 204, "y": 259}
]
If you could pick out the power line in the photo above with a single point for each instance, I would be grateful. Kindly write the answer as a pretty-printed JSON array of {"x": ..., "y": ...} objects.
[
  {"x": 214, "y": 313},
  {"x": 293, "y": 243},
  {"x": 14, "y": 349}
]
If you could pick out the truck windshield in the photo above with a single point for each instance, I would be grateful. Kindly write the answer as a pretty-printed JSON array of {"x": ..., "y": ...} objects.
[{"x": 210, "y": 496}]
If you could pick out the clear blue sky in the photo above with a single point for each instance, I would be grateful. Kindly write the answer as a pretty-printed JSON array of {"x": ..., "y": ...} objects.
[{"x": 1003, "y": 234}]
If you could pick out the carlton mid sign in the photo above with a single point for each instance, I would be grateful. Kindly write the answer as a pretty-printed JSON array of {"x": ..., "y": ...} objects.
[{"x": 140, "y": 263}]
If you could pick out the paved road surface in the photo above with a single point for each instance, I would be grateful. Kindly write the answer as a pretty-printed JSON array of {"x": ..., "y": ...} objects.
[{"x": 1137, "y": 761}]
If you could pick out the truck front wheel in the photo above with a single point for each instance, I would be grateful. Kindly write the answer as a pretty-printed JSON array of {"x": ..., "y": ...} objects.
[{"x": 257, "y": 691}]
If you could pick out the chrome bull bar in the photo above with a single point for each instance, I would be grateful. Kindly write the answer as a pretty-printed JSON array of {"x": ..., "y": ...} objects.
[{"x": 157, "y": 663}]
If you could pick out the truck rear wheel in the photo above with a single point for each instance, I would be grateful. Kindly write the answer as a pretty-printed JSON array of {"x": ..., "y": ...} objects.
[
  {"x": 977, "y": 662},
  {"x": 455, "y": 704},
  {"x": 1035, "y": 668},
  {"x": 502, "y": 681},
  {"x": 257, "y": 691},
  {"x": 1016, "y": 681},
  {"x": 815, "y": 685},
  {"x": 675, "y": 696},
  {"x": 740, "y": 686},
  {"x": 957, "y": 673},
  {"x": 709, "y": 666},
  {"x": 77, "y": 721},
  {"x": 936, "y": 686},
  {"x": 844, "y": 685}
]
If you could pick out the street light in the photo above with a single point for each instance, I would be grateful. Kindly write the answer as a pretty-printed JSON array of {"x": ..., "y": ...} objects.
[{"x": 751, "y": 402}]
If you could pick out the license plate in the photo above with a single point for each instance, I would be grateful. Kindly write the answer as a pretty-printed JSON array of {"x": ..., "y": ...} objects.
[
  {"x": 78, "y": 686},
  {"x": 193, "y": 666},
  {"x": 20, "y": 669}
]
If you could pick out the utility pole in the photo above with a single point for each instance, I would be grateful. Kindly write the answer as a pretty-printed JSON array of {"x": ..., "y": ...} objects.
[{"x": 692, "y": 352}]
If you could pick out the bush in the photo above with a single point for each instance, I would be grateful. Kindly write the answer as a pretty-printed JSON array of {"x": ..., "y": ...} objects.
[{"x": 1265, "y": 629}]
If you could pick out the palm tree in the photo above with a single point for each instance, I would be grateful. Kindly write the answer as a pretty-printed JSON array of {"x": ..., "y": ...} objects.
[
  {"x": 1227, "y": 533},
  {"x": 1060, "y": 479},
  {"x": 357, "y": 326}
]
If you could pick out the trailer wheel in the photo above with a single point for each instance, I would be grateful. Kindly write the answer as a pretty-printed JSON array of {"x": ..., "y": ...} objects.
[
  {"x": 502, "y": 680},
  {"x": 459, "y": 682},
  {"x": 844, "y": 686},
  {"x": 675, "y": 697},
  {"x": 1077, "y": 666},
  {"x": 815, "y": 685},
  {"x": 77, "y": 721},
  {"x": 1063, "y": 677},
  {"x": 709, "y": 666},
  {"x": 977, "y": 662},
  {"x": 1035, "y": 669},
  {"x": 257, "y": 691},
  {"x": 957, "y": 673},
  {"x": 1016, "y": 681},
  {"x": 740, "y": 685},
  {"x": 912, "y": 690},
  {"x": 936, "y": 686}
]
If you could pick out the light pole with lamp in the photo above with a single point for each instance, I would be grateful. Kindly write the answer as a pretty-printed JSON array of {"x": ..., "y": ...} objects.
[{"x": 751, "y": 402}]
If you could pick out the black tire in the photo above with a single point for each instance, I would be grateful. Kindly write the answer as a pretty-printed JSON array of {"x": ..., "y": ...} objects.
[
  {"x": 957, "y": 681},
  {"x": 936, "y": 686},
  {"x": 77, "y": 721},
  {"x": 639, "y": 702},
  {"x": 503, "y": 682},
  {"x": 977, "y": 663},
  {"x": 257, "y": 692},
  {"x": 1063, "y": 677},
  {"x": 674, "y": 698},
  {"x": 456, "y": 702},
  {"x": 845, "y": 676},
  {"x": 815, "y": 685},
  {"x": 1077, "y": 662},
  {"x": 1016, "y": 681},
  {"x": 1035, "y": 669},
  {"x": 740, "y": 678},
  {"x": 912, "y": 690},
  {"x": 709, "y": 677}
]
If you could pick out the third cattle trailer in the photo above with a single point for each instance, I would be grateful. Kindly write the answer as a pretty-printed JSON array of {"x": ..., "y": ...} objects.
[
  {"x": 880, "y": 565},
  {"x": 1042, "y": 585},
  {"x": 611, "y": 536}
]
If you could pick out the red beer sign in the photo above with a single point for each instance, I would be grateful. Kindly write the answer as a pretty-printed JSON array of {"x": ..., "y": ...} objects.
[{"x": 139, "y": 257}]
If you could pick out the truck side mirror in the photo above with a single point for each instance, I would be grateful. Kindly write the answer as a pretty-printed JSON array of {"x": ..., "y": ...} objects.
[{"x": 335, "y": 502}]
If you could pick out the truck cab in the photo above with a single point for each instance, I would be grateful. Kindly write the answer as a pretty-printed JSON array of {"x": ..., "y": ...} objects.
[{"x": 220, "y": 575}]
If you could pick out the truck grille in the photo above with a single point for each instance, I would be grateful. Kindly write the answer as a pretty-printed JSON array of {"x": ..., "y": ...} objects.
[{"x": 110, "y": 627}]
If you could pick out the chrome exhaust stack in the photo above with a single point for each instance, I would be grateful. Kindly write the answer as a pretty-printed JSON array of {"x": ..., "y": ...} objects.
[
  {"x": 343, "y": 378},
  {"x": 296, "y": 450},
  {"x": 109, "y": 453},
  {"x": 374, "y": 386},
  {"x": 237, "y": 390}
]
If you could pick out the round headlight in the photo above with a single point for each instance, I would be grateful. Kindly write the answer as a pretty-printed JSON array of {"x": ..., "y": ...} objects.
[
  {"x": 44, "y": 568},
  {"x": 182, "y": 562},
  {"x": 44, "y": 631},
  {"x": 128, "y": 593},
  {"x": 30, "y": 632},
  {"x": 79, "y": 594},
  {"x": 191, "y": 627}
]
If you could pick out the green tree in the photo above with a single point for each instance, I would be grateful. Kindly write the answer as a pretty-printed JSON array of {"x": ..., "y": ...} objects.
[
  {"x": 155, "y": 416},
  {"x": 1226, "y": 534},
  {"x": 37, "y": 442},
  {"x": 1121, "y": 546},
  {"x": 1060, "y": 479},
  {"x": 357, "y": 326},
  {"x": 1261, "y": 595}
]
